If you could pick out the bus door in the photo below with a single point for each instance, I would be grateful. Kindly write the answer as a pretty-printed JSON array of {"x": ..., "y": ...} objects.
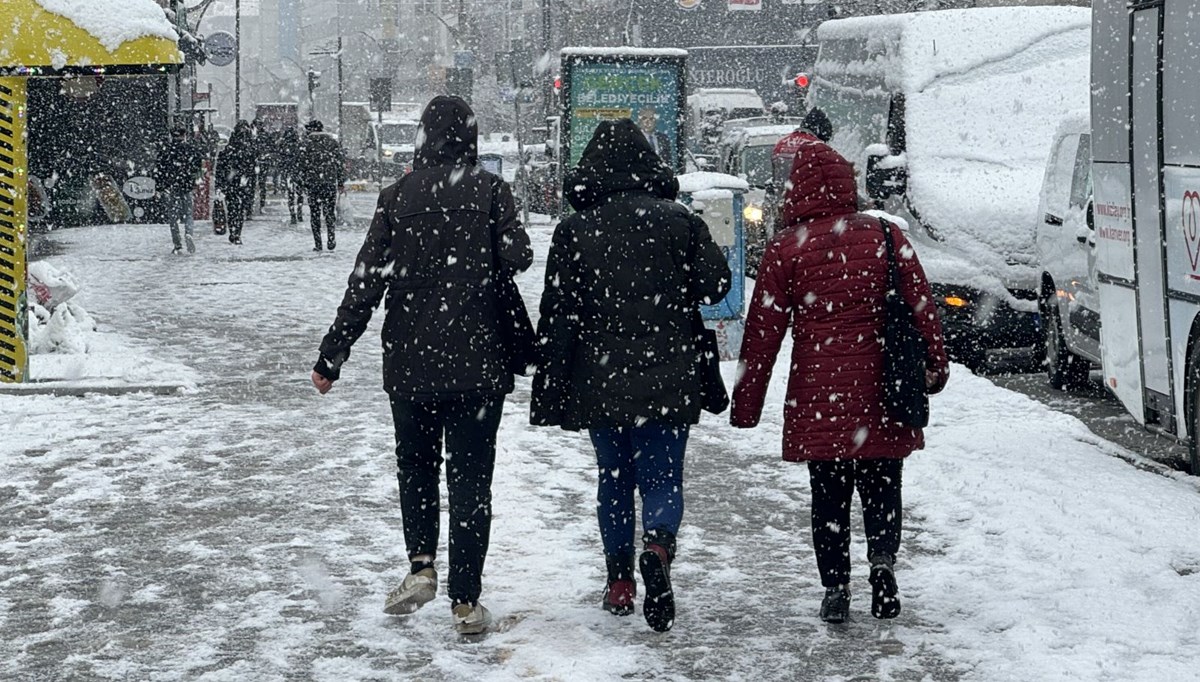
[{"x": 1149, "y": 233}]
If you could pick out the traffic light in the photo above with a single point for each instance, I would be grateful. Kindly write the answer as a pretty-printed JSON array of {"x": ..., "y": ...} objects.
[{"x": 314, "y": 80}]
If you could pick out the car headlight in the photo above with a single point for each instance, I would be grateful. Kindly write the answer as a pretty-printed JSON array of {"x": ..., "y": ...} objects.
[
  {"x": 387, "y": 154},
  {"x": 753, "y": 214}
]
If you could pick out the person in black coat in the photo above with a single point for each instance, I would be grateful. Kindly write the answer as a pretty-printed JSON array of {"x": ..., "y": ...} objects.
[
  {"x": 323, "y": 170},
  {"x": 235, "y": 178},
  {"x": 624, "y": 280},
  {"x": 289, "y": 169},
  {"x": 175, "y": 175},
  {"x": 442, "y": 237}
]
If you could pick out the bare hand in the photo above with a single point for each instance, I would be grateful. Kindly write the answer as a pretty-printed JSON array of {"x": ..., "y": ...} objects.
[
  {"x": 321, "y": 383},
  {"x": 932, "y": 378}
]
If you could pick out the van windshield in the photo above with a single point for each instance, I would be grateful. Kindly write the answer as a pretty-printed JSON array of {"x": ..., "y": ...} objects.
[
  {"x": 756, "y": 164},
  {"x": 398, "y": 133}
]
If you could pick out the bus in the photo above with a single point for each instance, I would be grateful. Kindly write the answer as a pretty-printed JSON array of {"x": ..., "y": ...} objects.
[{"x": 1146, "y": 183}]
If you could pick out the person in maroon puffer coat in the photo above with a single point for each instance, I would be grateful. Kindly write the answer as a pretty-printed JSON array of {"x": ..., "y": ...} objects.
[{"x": 825, "y": 274}]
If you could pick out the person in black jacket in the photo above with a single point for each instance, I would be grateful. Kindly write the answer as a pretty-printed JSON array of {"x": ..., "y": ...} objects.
[
  {"x": 235, "y": 178},
  {"x": 175, "y": 174},
  {"x": 289, "y": 169},
  {"x": 442, "y": 237},
  {"x": 624, "y": 279},
  {"x": 323, "y": 169}
]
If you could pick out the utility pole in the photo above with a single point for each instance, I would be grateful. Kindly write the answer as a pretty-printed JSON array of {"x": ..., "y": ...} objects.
[
  {"x": 237, "y": 69},
  {"x": 548, "y": 86},
  {"x": 341, "y": 81}
]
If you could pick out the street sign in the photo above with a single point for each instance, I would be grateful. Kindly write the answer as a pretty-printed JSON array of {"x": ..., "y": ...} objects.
[
  {"x": 381, "y": 94},
  {"x": 221, "y": 47}
]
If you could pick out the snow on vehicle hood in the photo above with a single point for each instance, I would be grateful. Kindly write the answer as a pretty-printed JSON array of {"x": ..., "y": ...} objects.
[{"x": 114, "y": 22}]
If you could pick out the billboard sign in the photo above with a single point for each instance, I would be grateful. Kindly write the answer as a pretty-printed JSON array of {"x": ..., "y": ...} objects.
[{"x": 647, "y": 86}]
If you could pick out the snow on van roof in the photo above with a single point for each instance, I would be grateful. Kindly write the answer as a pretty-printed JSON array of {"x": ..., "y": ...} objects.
[
  {"x": 624, "y": 51},
  {"x": 949, "y": 42},
  {"x": 984, "y": 91},
  {"x": 114, "y": 22}
]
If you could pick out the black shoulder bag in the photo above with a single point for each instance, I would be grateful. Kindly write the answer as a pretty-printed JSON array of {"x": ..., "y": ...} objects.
[{"x": 904, "y": 350}]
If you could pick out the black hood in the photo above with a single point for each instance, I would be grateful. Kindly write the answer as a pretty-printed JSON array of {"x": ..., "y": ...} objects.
[
  {"x": 618, "y": 159},
  {"x": 448, "y": 136}
]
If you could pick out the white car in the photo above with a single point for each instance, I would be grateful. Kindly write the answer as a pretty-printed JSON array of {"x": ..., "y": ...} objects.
[{"x": 1066, "y": 249}]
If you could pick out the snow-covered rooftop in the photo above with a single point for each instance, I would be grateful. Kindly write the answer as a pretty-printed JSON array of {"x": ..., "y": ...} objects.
[{"x": 113, "y": 22}]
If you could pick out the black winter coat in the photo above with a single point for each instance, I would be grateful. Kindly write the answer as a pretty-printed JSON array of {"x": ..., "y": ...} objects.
[
  {"x": 235, "y": 165},
  {"x": 623, "y": 280},
  {"x": 177, "y": 167},
  {"x": 322, "y": 163},
  {"x": 440, "y": 238}
]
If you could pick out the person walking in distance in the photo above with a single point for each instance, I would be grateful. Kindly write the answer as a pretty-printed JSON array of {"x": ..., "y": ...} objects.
[
  {"x": 826, "y": 274},
  {"x": 618, "y": 328},
  {"x": 323, "y": 169},
  {"x": 442, "y": 238},
  {"x": 289, "y": 169},
  {"x": 235, "y": 178},
  {"x": 178, "y": 166}
]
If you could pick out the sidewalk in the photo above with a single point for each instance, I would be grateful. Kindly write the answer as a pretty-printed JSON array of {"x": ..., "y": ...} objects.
[{"x": 249, "y": 529}]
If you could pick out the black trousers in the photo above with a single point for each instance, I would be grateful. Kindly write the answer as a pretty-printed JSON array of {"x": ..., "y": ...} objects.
[
  {"x": 237, "y": 204},
  {"x": 833, "y": 483},
  {"x": 468, "y": 430},
  {"x": 323, "y": 202}
]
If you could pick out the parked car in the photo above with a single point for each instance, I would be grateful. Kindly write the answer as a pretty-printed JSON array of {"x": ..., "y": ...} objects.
[
  {"x": 1066, "y": 241},
  {"x": 946, "y": 115},
  {"x": 709, "y": 108}
]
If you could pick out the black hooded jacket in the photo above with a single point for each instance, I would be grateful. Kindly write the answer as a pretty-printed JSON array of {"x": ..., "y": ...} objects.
[
  {"x": 440, "y": 238},
  {"x": 623, "y": 280}
]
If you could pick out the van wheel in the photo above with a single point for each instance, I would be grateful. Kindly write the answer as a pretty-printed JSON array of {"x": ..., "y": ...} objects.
[
  {"x": 1065, "y": 369},
  {"x": 1193, "y": 393}
]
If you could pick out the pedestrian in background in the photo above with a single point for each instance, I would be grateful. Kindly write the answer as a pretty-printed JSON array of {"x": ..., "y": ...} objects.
[
  {"x": 826, "y": 274},
  {"x": 235, "y": 178},
  {"x": 289, "y": 168},
  {"x": 178, "y": 166},
  {"x": 323, "y": 168},
  {"x": 622, "y": 358},
  {"x": 443, "y": 237}
]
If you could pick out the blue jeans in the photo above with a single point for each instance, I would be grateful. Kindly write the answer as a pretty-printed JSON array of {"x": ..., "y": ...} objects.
[
  {"x": 650, "y": 458},
  {"x": 179, "y": 208}
]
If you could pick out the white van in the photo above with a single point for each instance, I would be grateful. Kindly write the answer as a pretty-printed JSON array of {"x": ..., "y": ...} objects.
[
  {"x": 1066, "y": 240},
  {"x": 947, "y": 116},
  {"x": 1146, "y": 173}
]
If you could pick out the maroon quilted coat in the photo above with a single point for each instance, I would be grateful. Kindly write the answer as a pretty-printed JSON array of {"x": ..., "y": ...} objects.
[{"x": 825, "y": 274}]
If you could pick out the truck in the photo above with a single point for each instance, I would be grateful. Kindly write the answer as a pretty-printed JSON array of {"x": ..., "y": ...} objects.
[
  {"x": 948, "y": 117},
  {"x": 1146, "y": 189}
]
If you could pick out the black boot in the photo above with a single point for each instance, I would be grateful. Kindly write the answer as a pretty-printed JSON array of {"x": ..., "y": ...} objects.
[
  {"x": 835, "y": 607},
  {"x": 620, "y": 589},
  {"x": 655, "y": 563},
  {"x": 884, "y": 601}
]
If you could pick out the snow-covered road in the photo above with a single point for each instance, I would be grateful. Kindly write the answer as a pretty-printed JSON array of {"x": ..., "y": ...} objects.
[{"x": 249, "y": 529}]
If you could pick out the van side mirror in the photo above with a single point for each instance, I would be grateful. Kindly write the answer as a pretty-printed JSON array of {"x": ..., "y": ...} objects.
[{"x": 887, "y": 174}]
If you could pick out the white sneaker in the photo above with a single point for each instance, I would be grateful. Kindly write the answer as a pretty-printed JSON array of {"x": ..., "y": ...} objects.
[
  {"x": 417, "y": 590},
  {"x": 471, "y": 620}
]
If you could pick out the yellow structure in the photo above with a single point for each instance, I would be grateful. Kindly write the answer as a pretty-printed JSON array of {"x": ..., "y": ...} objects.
[{"x": 35, "y": 43}]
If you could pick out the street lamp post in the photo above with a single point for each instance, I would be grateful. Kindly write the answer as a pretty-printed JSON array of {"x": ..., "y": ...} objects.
[{"x": 237, "y": 69}]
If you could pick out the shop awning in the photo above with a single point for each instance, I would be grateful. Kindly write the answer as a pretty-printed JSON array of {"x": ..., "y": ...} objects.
[{"x": 57, "y": 37}]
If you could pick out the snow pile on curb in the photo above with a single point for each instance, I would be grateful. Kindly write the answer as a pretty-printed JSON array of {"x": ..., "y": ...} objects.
[
  {"x": 66, "y": 344},
  {"x": 114, "y": 22}
]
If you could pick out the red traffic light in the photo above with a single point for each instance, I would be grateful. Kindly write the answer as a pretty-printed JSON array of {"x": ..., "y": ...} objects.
[
  {"x": 802, "y": 80},
  {"x": 558, "y": 83}
]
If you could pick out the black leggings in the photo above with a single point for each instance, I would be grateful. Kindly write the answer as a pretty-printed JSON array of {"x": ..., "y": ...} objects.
[
  {"x": 833, "y": 484},
  {"x": 468, "y": 428},
  {"x": 323, "y": 203}
]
